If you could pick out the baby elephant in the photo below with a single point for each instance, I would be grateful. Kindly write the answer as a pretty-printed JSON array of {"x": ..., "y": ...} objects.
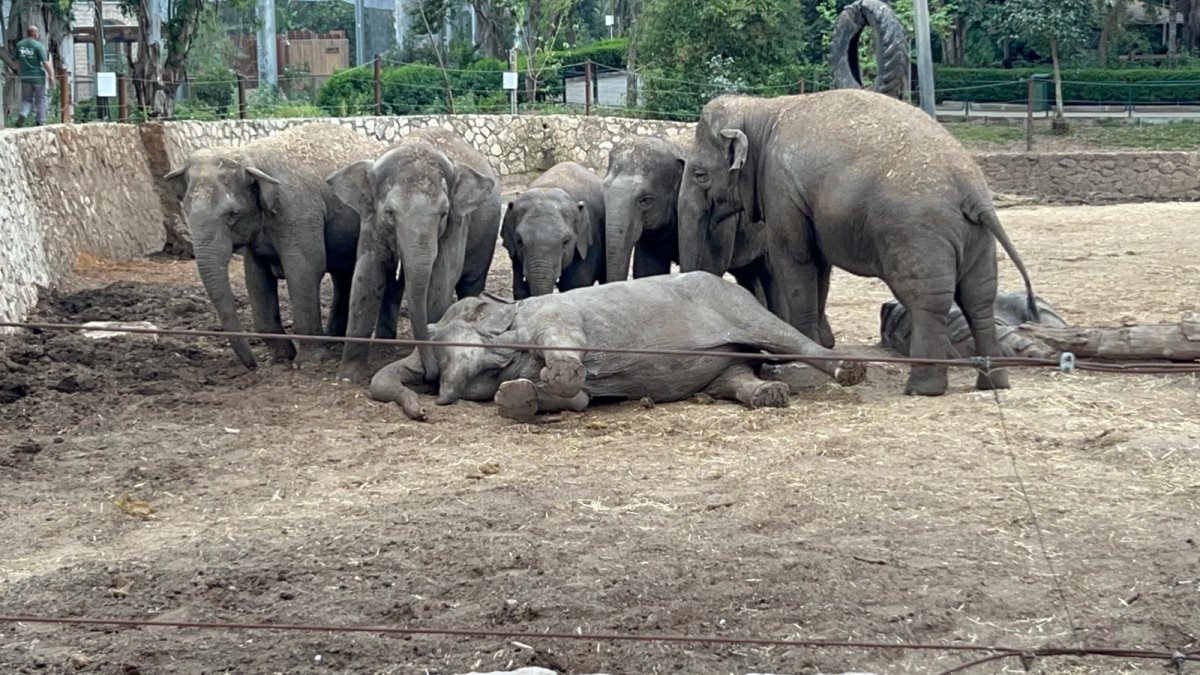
[
  {"x": 1011, "y": 310},
  {"x": 554, "y": 232},
  {"x": 696, "y": 311}
]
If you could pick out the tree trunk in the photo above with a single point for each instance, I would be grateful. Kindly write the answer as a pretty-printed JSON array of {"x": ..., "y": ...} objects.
[
  {"x": 1172, "y": 342},
  {"x": 1058, "y": 95},
  {"x": 631, "y": 79},
  {"x": 1172, "y": 33}
]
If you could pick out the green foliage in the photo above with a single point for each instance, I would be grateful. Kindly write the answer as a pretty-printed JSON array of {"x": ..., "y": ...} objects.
[
  {"x": 694, "y": 49},
  {"x": 1091, "y": 86},
  {"x": 1069, "y": 22},
  {"x": 214, "y": 89},
  {"x": 414, "y": 89}
]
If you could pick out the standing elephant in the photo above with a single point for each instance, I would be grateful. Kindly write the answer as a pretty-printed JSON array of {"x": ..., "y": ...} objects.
[
  {"x": 554, "y": 232},
  {"x": 431, "y": 205},
  {"x": 640, "y": 215},
  {"x": 269, "y": 201},
  {"x": 861, "y": 181}
]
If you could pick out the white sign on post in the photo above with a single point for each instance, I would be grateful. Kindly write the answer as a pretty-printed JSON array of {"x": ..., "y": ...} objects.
[
  {"x": 608, "y": 20},
  {"x": 106, "y": 85},
  {"x": 510, "y": 80}
]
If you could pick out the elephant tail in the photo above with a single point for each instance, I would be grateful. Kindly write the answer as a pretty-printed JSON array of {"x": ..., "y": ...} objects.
[{"x": 986, "y": 216}]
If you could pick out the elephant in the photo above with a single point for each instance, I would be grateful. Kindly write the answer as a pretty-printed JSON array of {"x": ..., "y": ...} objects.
[
  {"x": 640, "y": 215},
  {"x": 1011, "y": 310},
  {"x": 853, "y": 179},
  {"x": 269, "y": 201},
  {"x": 554, "y": 232},
  {"x": 694, "y": 311},
  {"x": 431, "y": 204}
]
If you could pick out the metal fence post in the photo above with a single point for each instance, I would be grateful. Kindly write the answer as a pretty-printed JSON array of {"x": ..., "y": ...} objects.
[
  {"x": 1029, "y": 115},
  {"x": 241, "y": 91},
  {"x": 64, "y": 96},
  {"x": 378, "y": 86},
  {"x": 587, "y": 87},
  {"x": 122, "y": 99}
]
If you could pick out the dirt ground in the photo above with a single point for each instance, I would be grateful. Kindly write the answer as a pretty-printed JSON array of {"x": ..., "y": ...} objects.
[{"x": 279, "y": 496}]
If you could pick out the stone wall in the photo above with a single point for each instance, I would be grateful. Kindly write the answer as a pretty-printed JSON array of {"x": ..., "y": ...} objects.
[
  {"x": 66, "y": 190},
  {"x": 1095, "y": 177},
  {"x": 96, "y": 188}
]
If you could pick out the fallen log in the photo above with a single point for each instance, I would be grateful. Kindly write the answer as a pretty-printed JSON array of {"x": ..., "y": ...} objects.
[{"x": 1170, "y": 342}]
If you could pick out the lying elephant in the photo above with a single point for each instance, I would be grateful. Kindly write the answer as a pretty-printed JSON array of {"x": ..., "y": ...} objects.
[
  {"x": 554, "y": 232},
  {"x": 269, "y": 201},
  {"x": 693, "y": 311},
  {"x": 1011, "y": 310}
]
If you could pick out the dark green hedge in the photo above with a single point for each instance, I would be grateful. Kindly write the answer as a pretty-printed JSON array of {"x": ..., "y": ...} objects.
[
  {"x": 1084, "y": 86},
  {"x": 415, "y": 89}
]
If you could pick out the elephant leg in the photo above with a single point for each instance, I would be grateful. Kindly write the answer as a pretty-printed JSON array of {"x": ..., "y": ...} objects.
[
  {"x": 304, "y": 291},
  {"x": 340, "y": 309},
  {"x": 976, "y": 297},
  {"x": 521, "y": 400},
  {"x": 389, "y": 308},
  {"x": 929, "y": 300},
  {"x": 472, "y": 282},
  {"x": 564, "y": 372},
  {"x": 739, "y": 383},
  {"x": 263, "y": 289},
  {"x": 520, "y": 287},
  {"x": 824, "y": 329},
  {"x": 796, "y": 288},
  {"x": 752, "y": 278},
  {"x": 649, "y": 264},
  {"x": 396, "y": 382},
  {"x": 366, "y": 295}
]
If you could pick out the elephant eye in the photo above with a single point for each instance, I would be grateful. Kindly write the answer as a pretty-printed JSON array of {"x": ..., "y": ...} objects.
[
  {"x": 701, "y": 176},
  {"x": 389, "y": 213},
  {"x": 566, "y": 242},
  {"x": 646, "y": 201}
]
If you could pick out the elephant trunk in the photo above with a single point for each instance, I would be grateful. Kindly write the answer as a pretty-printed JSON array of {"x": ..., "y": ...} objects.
[
  {"x": 417, "y": 270},
  {"x": 541, "y": 274},
  {"x": 691, "y": 210},
  {"x": 622, "y": 231},
  {"x": 212, "y": 260}
]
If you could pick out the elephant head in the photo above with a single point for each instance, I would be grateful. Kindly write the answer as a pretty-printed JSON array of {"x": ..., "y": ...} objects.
[
  {"x": 473, "y": 373},
  {"x": 543, "y": 230},
  {"x": 717, "y": 192},
  {"x": 225, "y": 200},
  {"x": 416, "y": 195},
  {"x": 640, "y": 192}
]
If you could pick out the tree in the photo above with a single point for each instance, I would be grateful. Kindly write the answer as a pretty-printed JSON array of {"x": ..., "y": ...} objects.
[
  {"x": 1112, "y": 15},
  {"x": 1064, "y": 25},
  {"x": 52, "y": 18}
]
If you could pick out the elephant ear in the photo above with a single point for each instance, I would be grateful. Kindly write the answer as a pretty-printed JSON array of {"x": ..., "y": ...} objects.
[
  {"x": 471, "y": 189},
  {"x": 269, "y": 194},
  {"x": 489, "y": 317},
  {"x": 739, "y": 147},
  {"x": 584, "y": 229},
  {"x": 177, "y": 181},
  {"x": 508, "y": 231},
  {"x": 352, "y": 185}
]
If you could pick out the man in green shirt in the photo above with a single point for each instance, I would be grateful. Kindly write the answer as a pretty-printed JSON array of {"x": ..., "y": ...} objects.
[{"x": 35, "y": 71}]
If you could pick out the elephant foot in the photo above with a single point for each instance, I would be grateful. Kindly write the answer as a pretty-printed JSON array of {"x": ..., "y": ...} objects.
[
  {"x": 850, "y": 373},
  {"x": 282, "y": 351},
  {"x": 770, "y": 395},
  {"x": 563, "y": 378},
  {"x": 825, "y": 334},
  {"x": 926, "y": 381},
  {"x": 517, "y": 400},
  {"x": 353, "y": 372},
  {"x": 993, "y": 379}
]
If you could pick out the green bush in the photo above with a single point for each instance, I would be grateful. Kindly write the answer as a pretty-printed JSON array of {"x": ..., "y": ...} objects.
[
  {"x": 414, "y": 89},
  {"x": 214, "y": 89}
]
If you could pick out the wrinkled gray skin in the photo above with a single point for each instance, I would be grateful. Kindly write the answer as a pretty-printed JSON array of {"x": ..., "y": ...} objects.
[
  {"x": 269, "y": 201},
  {"x": 640, "y": 215},
  {"x": 432, "y": 205},
  {"x": 554, "y": 232},
  {"x": 1011, "y": 310},
  {"x": 695, "y": 311},
  {"x": 860, "y": 181}
]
